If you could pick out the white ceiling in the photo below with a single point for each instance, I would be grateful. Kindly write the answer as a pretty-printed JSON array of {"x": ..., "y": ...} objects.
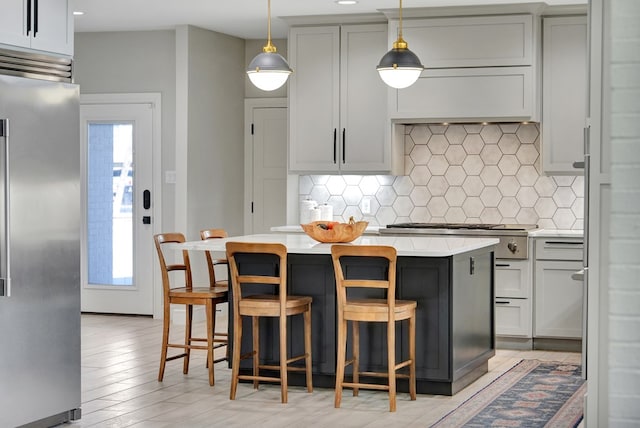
[{"x": 242, "y": 18}]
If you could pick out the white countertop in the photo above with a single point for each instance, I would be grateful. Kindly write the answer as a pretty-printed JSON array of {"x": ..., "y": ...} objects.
[
  {"x": 373, "y": 230},
  {"x": 557, "y": 233},
  {"x": 418, "y": 246}
]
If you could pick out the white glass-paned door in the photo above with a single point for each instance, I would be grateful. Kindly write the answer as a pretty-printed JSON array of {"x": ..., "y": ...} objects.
[{"x": 118, "y": 253}]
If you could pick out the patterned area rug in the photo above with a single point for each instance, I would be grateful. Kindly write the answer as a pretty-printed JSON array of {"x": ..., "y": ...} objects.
[{"x": 531, "y": 394}]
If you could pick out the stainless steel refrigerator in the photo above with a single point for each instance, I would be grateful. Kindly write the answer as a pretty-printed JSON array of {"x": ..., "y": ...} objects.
[{"x": 39, "y": 251}]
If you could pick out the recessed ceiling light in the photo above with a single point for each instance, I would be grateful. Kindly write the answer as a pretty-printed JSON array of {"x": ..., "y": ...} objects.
[
  {"x": 346, "y": 1},
  {"x": 78, "y": 13}
]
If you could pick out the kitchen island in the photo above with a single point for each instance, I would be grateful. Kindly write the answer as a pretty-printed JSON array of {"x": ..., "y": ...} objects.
[{"x": 451, "y": 278}]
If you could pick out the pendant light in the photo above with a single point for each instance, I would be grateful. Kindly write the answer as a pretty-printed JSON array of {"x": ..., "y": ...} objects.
[
  {"x": 268, "y": 70},
  {"x": 400, "y": 68}
]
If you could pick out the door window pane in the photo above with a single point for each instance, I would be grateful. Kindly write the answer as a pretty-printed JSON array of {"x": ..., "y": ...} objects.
[{"x": 110, "y": 200}]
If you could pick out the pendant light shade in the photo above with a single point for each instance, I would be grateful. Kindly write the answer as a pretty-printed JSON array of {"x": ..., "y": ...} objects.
[
  {"x": 400, "y": 68},
  {"x": 268, "y": 70}
]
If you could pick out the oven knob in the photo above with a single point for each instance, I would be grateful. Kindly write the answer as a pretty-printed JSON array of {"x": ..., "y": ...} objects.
[{"x": 512, "y": 246}]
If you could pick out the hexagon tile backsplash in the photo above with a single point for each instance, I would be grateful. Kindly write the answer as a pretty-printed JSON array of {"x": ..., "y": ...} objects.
[{"x": 459, "y": 173}]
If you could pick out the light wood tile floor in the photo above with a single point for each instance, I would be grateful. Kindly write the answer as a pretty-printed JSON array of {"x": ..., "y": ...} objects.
[{"x": 120, "y": 358}]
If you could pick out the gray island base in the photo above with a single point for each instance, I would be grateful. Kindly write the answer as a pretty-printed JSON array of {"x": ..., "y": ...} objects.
[{"x": 455, "y": 318}]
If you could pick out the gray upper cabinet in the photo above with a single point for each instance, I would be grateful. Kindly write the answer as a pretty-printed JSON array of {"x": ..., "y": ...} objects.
[
  {"x": 481, "y": 41},
  {"x": 37, "y": 26},
  {"x": 337, "y": 102},
  {"x": 564, "y": 93},
  {"x": 476, "y": 68}
]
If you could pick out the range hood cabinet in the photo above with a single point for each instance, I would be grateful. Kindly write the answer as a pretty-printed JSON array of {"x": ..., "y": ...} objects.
[
  {"x": 479, "y": 69},
  {"x": 501, "y": 94}
]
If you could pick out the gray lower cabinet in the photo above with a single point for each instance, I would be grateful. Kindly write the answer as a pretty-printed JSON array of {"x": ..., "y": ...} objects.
[
  {"x": 454, "y": 329},
  {"x": 558, "y": 299}
]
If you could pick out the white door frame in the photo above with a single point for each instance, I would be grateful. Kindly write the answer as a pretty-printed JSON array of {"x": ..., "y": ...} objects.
[
  {"x": 155, "y": 99},
  {"x": 292, "y": 180}
]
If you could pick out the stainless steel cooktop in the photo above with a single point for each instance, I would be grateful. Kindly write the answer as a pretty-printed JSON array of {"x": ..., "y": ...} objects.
[
  {"x": 459, "y": 228},
  {"x": 513, "y": 237}
]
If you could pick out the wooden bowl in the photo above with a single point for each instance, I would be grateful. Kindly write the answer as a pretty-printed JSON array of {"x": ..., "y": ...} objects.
[{"x": 336, "y": 232}]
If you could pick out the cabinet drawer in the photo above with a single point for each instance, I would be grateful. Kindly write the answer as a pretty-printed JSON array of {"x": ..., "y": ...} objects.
[
  {"x": 559, "y": 248},
  {"x": 513, "y": 317},
  {"x": 483, "y": 41},
  {"x": 468, "y": 93},
  {"x": 512, "y": 278}
]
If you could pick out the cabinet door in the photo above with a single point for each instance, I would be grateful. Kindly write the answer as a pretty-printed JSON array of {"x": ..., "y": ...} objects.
[
  {"x": 314, "y": 93},
  {"x": 513, "y": 317},
  {"x": 558, "y": 300},
  {"x": 313, "y": 275},
  {"x": 13, "y": 23},
  {"x": 54, "y": 27},
  {"x": 564, "y": 93},
  {"x": 427, "y": 281},
  {"x": 513, "y": 278},
  {"x": 365, "y": 130},
  {"x": 49, "y": 27},
  {"x": 479, "y": 41}
]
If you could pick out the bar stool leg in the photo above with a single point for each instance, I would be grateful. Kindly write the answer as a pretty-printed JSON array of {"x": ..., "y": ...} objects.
[
  {"x": 211, "y": 322},
  {"x": 342, "y": 349},
  {"x": 391, "y": 361},
  {"x": 255, "y": 328},
  {"x": 235, "y": 361},
  {"x": 187, "y": 339},
  {"x": 165, "y": 340},
  {"x": 283, "y": 359},
  {"x": 307, "y": 349},
  {"x": 356, "y": 356}
]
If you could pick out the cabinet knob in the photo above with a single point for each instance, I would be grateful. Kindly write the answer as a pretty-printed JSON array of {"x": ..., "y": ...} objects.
[{"x": 512, "y": 246}]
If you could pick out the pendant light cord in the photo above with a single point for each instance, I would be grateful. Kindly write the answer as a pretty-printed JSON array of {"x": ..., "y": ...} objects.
[
  {"x": 269, "y": 21},
  {"x": 400, "y": 15},
  {"x": 269, "y": 48},
  {"x": 400, "y": 44}
]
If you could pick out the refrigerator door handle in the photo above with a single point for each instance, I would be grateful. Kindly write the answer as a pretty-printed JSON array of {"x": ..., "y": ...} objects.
[
  {"x": 587, "y": 189},
  {"x": 5, "y": 251}
]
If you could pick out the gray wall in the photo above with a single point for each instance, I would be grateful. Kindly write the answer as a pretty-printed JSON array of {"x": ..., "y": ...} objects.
[
  {"x": 141, "y": 61},
  {"x": 203, "y": 73},
  {"x": 211, "y": 76}
]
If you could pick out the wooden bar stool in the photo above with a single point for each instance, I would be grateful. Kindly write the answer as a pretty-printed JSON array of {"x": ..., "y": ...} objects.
[
  {"x": 387, "y": 310},
  {"x": 211, "y": 261},
  {"x": 219, "y": 337},
  {"x": 255, "y": 306},
  {"x": 189, "y": 296}
]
